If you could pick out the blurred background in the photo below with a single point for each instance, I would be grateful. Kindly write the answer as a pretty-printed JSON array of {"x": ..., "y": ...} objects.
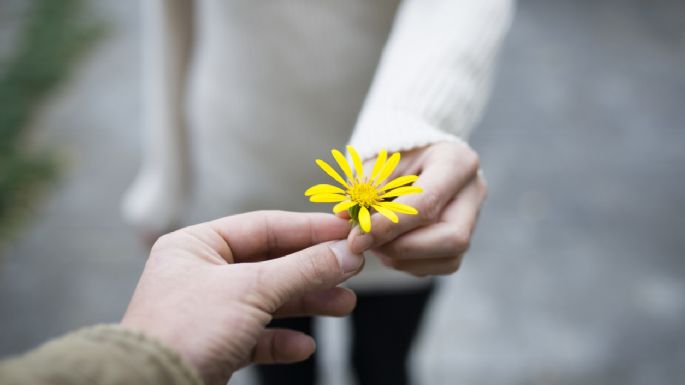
[{"x": 577, "y": 272}]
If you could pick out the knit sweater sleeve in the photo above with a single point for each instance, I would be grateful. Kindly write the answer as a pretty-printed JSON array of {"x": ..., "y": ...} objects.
[
  {"x": 103, "y": 355},
  {"x": 434, "y": 74},
  {"x": 155, "y": 200}
]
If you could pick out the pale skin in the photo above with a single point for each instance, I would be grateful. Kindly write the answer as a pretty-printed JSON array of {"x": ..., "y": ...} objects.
[
  {"x": 434, "y": 241},
  {"x": 208, "y": 291}
]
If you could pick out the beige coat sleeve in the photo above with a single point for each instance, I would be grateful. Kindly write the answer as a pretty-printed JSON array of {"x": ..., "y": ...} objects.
[
  {"x": 156, "y": 200},
  {"x": 102, "y": 355}
]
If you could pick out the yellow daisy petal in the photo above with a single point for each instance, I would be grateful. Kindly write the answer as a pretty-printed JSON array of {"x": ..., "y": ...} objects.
[
  {"x": 323, "y": 189},
  {"x": 342, "y": 162},
  {"x": 357, "y": 162},
  {"x": 380, "y": 161},
  {"x": 364, "y": 219},
  {"x": 386, "y": 213},
  {"x": 400, "y": 181},
  {"x": 399, "y": 208},
  {"x": 344, "y": 205},
  {"x": 402, "y": 191},
  {"x": 388, "y": 168},
  {"x": 326, "y": 198},
  {"x": 331, "y": 172}
]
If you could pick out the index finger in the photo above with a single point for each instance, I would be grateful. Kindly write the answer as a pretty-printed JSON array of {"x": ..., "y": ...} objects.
[
  {"x": 261, "y": 235},
  {"x": 445, "y": 173}
]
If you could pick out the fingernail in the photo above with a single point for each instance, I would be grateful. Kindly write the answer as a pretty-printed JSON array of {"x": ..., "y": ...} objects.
[
  {"x": 363, "y": 242},
  {"x": 348, "y": 260}
]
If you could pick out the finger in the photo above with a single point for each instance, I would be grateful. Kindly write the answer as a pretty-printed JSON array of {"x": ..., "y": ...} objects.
[
  {"x": 467, "y": 203},
  {"x": 450, "y": 236},
  {"x": 266, "y": 234},
  {"x": 433, "y": 241},
  {"x": 335, "y": 302},
  {"x": 444, "y": 175},
  {"x": 282, "y": 346},
  {"x": 429, "y": 266},
  {"x": 313, "y": 269}
]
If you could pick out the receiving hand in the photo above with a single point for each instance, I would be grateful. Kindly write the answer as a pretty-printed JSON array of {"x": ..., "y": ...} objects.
[
  {"x": 209, "y": 290},
  {"x": 434, "y": 241}
]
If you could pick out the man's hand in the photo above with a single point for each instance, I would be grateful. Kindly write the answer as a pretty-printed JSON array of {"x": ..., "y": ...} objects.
[
  {"x": 434, "y": 241},
  {"x": 209, "y": 290}
]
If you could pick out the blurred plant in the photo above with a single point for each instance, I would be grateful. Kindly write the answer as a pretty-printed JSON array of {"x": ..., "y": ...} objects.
[{"x": 55, "y": 34}]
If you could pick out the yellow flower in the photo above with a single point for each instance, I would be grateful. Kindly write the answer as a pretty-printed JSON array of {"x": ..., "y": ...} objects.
[{"x": 360, "y": 194}]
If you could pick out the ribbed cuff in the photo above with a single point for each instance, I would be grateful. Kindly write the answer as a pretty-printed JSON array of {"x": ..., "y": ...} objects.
[{"x": 395, "y": 131}]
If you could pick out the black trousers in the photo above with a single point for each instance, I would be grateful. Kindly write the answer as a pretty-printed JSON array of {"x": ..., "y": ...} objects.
[{"x": 383, "y": 328}]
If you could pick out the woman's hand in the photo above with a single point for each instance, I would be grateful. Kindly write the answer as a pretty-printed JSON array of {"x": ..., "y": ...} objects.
[{"x": 434, "y": 241}]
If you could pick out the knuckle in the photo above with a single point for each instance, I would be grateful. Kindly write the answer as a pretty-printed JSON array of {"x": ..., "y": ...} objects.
[
  {"x": 483, "y": 187},
  {"x": 257, "y": 278},
  {"x": 471, "y": 159},
  {"x": 459, "y": 241},
  {"x": 396, "y": 249},
  {"x": 311, "y": 272},
  {"x": 165, "y": 242},
  {"x": 430, "y": 212},
  {"x": 452, "y": 266},
  {"x": 315, "y": 267}
]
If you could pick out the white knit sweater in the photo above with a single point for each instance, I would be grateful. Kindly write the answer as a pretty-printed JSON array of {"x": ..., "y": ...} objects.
[{"x": 242, "y": 95}]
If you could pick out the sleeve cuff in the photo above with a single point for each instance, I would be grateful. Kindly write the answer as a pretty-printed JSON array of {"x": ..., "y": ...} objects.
[
  {"x": 396, "y": 131},
  {"x": 151, "y": 354},
  {"x": 103, "y": 354}
]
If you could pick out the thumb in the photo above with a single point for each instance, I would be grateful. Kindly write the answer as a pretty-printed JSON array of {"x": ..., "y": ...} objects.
[{"x": 316, "y": 268}]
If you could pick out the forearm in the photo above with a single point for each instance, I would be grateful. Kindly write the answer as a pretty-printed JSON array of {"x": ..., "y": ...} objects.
[
  {"x": 103, "y": 355},
  {"x": 434, "y": 75}
]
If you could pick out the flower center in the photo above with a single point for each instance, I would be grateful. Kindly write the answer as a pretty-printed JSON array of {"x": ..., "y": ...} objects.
[{"x": 363, "y": 193}]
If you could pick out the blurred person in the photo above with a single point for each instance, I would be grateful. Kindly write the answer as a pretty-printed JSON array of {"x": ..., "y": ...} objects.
[
  {"x": 203, "y": 301},
  {"x": 241, "y": 96}
]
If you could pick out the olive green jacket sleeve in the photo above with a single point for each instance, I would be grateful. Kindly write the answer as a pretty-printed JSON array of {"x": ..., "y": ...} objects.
[{"x": 102, "y": 355}]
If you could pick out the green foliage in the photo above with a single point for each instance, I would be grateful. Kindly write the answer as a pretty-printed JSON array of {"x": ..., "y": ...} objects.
[{"x": 54, "y": 36}]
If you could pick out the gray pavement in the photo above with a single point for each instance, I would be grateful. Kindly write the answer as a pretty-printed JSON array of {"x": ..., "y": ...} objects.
[{"x": 576, "y": 275}]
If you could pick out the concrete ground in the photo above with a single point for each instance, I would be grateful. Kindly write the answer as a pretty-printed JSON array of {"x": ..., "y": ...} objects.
[{"x": 576, "y": 275}]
